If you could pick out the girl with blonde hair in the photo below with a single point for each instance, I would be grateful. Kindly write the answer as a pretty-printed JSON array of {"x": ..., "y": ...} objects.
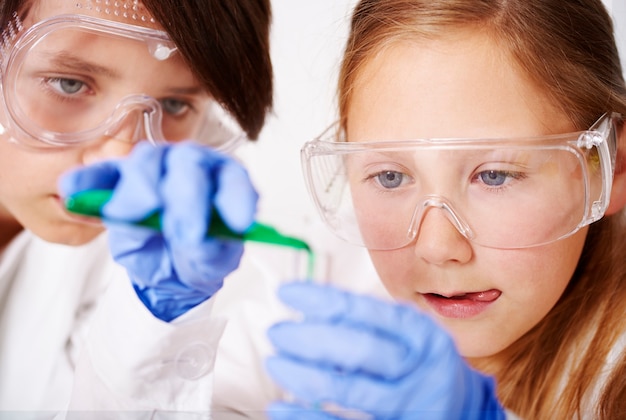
[{"x": 479, "y": 157}]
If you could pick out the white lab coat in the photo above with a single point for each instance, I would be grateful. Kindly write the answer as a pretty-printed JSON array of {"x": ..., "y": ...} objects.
[
  {"x": 73, "y": 335},
  {"x": 73, "y": 332}
]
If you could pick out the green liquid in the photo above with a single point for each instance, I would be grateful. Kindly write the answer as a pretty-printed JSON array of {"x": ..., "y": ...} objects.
[{"x": 90, "y": 203}]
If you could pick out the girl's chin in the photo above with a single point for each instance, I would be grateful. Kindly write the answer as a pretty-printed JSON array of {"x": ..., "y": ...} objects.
[{"x": 478, "y": 347}]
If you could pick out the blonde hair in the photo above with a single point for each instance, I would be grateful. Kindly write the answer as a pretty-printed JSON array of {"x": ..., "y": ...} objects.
[{"x": 568, "y": 49}]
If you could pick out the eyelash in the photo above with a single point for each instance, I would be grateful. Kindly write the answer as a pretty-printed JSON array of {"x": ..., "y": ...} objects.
[
  {"x": 50, "y": 86},
  {"x": 375, "y": 178},
  {"x": 510, "y": 177}
]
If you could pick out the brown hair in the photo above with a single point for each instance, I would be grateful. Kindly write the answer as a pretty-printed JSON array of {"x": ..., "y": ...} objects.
[
  {"x": 568, "y": 49},
  {"x": 226, "y": 44}
]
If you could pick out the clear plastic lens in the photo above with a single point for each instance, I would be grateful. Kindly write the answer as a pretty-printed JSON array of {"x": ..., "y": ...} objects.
[
  {"x": 497, "y": 193},
  {"x": 75, "y": 78}
]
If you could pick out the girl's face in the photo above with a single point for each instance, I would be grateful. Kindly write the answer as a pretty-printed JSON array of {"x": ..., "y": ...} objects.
[
  {"x": 462, "y": 87},
  {"x": 66, "y": 81}
]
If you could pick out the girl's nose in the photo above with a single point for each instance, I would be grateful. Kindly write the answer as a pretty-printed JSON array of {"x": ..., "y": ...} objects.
[{"x": 439, "y": 241}]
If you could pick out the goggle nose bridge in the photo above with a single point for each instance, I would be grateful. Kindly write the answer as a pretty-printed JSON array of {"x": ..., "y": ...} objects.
[
  {"x": 441, "y": 203},
  {"x": 151, "y": 116}
]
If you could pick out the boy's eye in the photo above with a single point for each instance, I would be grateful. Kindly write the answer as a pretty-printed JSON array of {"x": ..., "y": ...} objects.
[
  {"x": 174, "y": 106},
  {"x": 66, "y": 86}
]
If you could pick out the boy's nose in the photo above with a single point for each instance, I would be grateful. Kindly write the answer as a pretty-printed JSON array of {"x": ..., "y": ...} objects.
[
  {"x": 132, "y": 127},
  {"x": 106, "y": 148},
  {"x": 118, "y": 140},
  {"x": 136, "y": 118}
]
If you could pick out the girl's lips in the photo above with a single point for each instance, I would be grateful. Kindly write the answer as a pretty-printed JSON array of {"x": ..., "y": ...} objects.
[{"x": 464, "y": 305}]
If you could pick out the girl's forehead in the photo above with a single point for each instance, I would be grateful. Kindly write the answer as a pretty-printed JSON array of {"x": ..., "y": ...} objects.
[
  {"x": 467, "y": 87},
  {"x": 126, "y": 11}
]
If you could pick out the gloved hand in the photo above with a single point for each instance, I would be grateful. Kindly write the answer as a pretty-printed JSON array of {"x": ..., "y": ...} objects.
[
  {"x": 372, "y": 358},
  {"x": 179, "y": 268}
]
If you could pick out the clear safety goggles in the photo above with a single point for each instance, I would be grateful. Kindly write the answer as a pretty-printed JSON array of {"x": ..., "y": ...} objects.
[
  {"x": 74, "y": 78},
  {"x": 498, "y": 193}
]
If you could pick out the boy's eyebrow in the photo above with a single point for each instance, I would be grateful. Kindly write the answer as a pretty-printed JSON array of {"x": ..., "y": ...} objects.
[
  {"x": 191, "y": 90},
  {"x": 70, "y": 61}
]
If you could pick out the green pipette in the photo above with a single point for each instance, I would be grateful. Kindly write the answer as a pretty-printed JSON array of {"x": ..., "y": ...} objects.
[{"x": 90, "y": 203}]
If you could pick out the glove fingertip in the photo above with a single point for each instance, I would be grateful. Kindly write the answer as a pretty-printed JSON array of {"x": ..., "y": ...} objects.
[
  {"x": 282, "y": 411},
  {"x": 238, "y": 221},
  {"x": 276, "y": 334},
  {"x": 78, "y": 179},
  {"x": 273, "y": 365},
  {"x": 66, "y": 183},
  {"x": 294, "y": 289},
  {"x": 236, "y": 198},
  {"x": 313, "y": 299},
  {"x": 295, "y": 411},
  {"x": 136, "y": 195}
]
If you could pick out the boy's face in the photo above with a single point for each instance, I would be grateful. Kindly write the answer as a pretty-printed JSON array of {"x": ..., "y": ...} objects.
[
  {"x": 72, "y": 81},
  {"x": 462, "y": 87}
]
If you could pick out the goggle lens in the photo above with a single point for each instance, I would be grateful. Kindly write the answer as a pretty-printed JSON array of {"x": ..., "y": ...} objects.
[
  {"x": 73, "y": 78},
  {"x": 513, "y": 193}
]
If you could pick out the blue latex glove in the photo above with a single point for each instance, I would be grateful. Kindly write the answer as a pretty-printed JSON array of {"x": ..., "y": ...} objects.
[
  {"x": 368, "y": 357},
  {"x": 179, "y": 268}
]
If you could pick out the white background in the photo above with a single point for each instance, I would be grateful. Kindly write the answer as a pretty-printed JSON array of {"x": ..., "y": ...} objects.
[
  {"x": 307, "y": 41},
  {"x": 618, "y": 10}
]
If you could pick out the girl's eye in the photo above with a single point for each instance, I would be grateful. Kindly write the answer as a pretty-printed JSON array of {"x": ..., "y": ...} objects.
[
  {"x": 174, "y": 106},
  {"x": 494, "y": 178},
  {"x": 390, "y": 179},
  {"x": 67, "y": 86}
]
